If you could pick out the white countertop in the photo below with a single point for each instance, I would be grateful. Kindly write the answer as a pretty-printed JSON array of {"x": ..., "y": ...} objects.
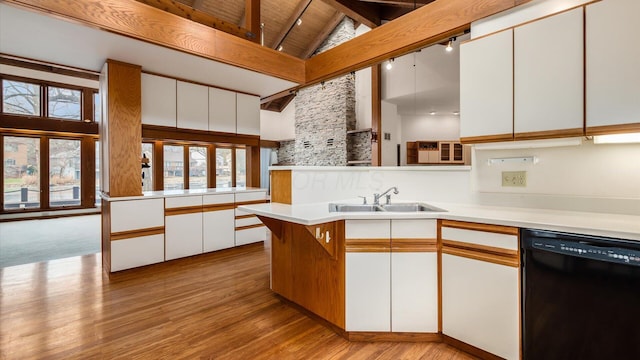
[
  {"x": 598, "y": 224},
  {"x": 190, "y": 192},
  {"x": 374, "y": 168}
]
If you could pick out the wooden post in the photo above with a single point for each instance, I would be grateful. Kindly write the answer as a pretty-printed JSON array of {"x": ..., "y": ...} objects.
[
  {"x": 376, "y": 115},
  {"x": 252, "y": 18}
]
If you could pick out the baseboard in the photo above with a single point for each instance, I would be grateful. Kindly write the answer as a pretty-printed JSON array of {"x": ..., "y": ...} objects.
[
  {"x": 470, "y": 349},
  {"x": 393, "y": 336}
]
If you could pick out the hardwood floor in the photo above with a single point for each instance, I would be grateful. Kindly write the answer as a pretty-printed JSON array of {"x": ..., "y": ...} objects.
[{"x": 214, "y": 306}]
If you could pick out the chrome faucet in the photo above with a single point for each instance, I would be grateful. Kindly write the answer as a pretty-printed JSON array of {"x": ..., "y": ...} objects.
[{"x": 376, "y": 197}]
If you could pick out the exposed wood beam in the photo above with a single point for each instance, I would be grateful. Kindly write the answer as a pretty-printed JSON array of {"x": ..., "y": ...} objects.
[
  {"x": 277, "y": 96},
  {"x": 331, "y": 25},
  {"x": 390, "y": 13},
  {"x": 367, "y": 14},
  {"x": 147, "y": 23},
  {"x": 302, "y": 6},
  {"x": 422, "y": 27},
  {"x": 198, "y": 16},
  {"x": 252, "y": 18},
  {"x": 403, "y": 3}
]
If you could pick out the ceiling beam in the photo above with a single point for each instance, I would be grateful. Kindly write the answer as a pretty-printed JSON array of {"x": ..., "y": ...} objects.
[
  {"x": 361, "y": 12},
  {"x": 328, "y": 29},
  {"x": 402, "y": 3},
  {"x": 297, "y": 13},
  {"x": 252, "y": 18},
  {"x": 422, "y": 27},
  {"x": 199, "y": 16}
]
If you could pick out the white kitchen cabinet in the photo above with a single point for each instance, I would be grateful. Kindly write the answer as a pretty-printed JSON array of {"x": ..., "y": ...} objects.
[
  {"x": 218, "y": 216},
  {"x": 414, "y": 276},
  {"x": 247, "y": 114},
  {"x": 183, "y": 226},
  {"x": 368, "y": 275},
  {"x": 192, "y": 106},
  {"x": 248, "y": 228},
  {"x": 486, "y": 87},
  {"x": 158, "y": 100},
  {"x": 549, "y": 75},
  {"x": 480, "y": 287},
  {"x": 222, "y": 110},
  {"x": 612, "y": 70},
  {"x": 137, "y": 251}
]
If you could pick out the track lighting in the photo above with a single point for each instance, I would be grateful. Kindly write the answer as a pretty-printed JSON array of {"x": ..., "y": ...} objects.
[
  {"x": 432, "y": 113},
  {"x": 299, "y": 21},
  {"x": 280, "y": 48},
  {"x": 449, "y": 47},
  {"x": 390, "y": 64}
]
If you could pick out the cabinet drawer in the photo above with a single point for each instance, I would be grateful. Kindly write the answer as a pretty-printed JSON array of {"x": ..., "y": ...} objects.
[
  {"x": 414, "y": 229},
  {"x": 136, "y": 214},
  {"x": 483, "y": 238},
  {"x": 218, "y": 199},
  {"x": 182, "y": 201},
  {"x": 368, "y": 229},
  {"x": 251, "y": 196},
  {"x": 139, "y": 251},
  {"x": 251, "y": 235},
  {"x": 246, "y": 221}
]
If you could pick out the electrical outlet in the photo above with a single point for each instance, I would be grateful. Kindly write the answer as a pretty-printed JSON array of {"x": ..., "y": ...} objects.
[{"x": 514, "y": 178}]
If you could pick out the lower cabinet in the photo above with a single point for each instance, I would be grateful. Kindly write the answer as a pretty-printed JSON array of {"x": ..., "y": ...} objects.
[
  {"x": 248, "y": 228},
  {"x": 183, "y": 226},
  {"x": 480, "y": 286},
  {"x": 391, "y": 274},
  {"x": 138, "y": 251},
  {"x": 218, "y": 217}
]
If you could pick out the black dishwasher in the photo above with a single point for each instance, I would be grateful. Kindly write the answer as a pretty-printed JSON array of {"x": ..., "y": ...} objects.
[{"x": 580, "y": 296}]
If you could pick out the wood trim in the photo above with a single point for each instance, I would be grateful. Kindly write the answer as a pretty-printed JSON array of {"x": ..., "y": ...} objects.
[
  {"x": 513, "y": 261},
  {"x": 105, "y": 235},
  {"x": 246, "y": 227},
  {"x": 613, "y": 129},
  {"x": 439, "y": 254},
  {"x": 249, "y": 216},
  {"x": 156, "y": 26},
  {"x": 550, "y": 134},
  {"x": 269, "y": 144},
  {"x": 193, "y": 136},
  {"x": 479, "y": 248},
  {"x": 367, "y": 245},
  {"x": 499, "y": 229},
  {"x": 469, "y": 348},
  {"x": 122, "y": 235},
  {"x": 393, "y": 336},
  {"x": 414, "y": 245},
  {"x": 281, "y": 190},
  {"x": 486, "y": 139},
  {"x": 39, "y": 124},
  {"x": 158, "y": 158},
  {"x": 252, "y": 19},
  {"x": 88, "y": 172},
  {"x": 251, "y": 202},
  {"x": 182, "y": 210},
  {"x": 218, "y": 207},
  {"x": 376, "y": 115},
  {"x": 45, "y": 196},
  {"x": 45, "y": 66}
]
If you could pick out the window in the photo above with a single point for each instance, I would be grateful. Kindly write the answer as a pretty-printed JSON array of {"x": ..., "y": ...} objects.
[
  {"x": 241, "y": 167},
  {"x": 147, "y": 172},
  {"x": 97, "y": 108},
  {"x": 64, "y": 103},
  {"x": 97, "y": 173},
  {"x": 22, "y": 178},
  {"x": 197, "y": 167},
  {"x": 20, "y": 98},
  {"x": 64, "y": 172},
  {"x": 173, "y": 167},
  {"x": 9, "y": 162},
  {"x": 223, "y": 167}
]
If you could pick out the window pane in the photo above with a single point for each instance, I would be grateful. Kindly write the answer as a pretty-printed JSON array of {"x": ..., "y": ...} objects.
[
  {"x": 197, "y": 167},
  {"x": 97, "y": 110},
  {"x": 223, "y": 167},
  {"x": 64, "y": 172},
  {"x": 21, "y": 172},
  {"x": 241, "y": 167},
  {"x": 98, "y": 200},
  {"x": 64, "y": 103},
  {"x": 147, "y": 174},
  {"x": 20, "y": 98},
  {"x": 173, "y": 167}
]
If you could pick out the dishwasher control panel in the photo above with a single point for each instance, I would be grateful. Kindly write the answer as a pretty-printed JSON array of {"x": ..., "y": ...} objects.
[{"x": 589, "y": 251}]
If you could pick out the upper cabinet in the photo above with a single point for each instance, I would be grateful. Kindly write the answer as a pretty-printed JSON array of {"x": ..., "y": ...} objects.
[
  {"x": 486, "y": 88},
  {"x": 192, "y": 106},
  {"x": 612, "y": 67},
  {"x": 222, "y": 110},
  {"x": 158, "y": 100},
  {"x": 248, "y": 114},
  {"x": 549, "y": 77}
]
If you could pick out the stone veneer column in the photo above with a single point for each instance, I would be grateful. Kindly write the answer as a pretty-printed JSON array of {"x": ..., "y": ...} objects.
[{"x": 324, "y": 112}]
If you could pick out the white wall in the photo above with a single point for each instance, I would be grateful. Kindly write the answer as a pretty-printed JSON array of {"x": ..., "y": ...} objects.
[
  {"x": 48, "y": 76},
  {"x": 427, "y": 127},
  {"x": 390, "y": 124},
  {"x": 363, "y": 91},
  {"x": 278, "y": 126}
]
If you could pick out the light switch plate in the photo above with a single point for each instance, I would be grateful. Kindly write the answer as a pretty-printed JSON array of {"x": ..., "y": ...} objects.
[{"x": 514, "y": 178}]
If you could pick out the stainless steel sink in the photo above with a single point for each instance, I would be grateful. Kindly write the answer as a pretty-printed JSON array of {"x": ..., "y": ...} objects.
[
  {"x": 399, "y": 207},
  {"x": 411, "y": 207},
  {"x": 354, "y": 208}
]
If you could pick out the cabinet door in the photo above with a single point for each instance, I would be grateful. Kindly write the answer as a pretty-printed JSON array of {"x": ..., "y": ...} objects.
[
  {"x": 613, "y": 73},
  {"x": 222, "y": 110},
  {"x": 368, "y": 275},
  {"x": 249, "y": 229},
  {"x": 480, "y": 305},
  {"x": 414, "y": 276},
  {"x": 248, "y": 114},
  {"x": 183, "y": 226},
  {"x": 218, "y": 217},
  {"x": 192, "y": 106},
  {"x": 138, "y": 251},
  {"x": 549, "y": 76},
  {"x": 486, "y": 87},
  {"x": 158, "y": 100}
]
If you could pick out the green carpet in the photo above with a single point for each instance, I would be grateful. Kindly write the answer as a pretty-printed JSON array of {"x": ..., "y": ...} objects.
[{"x": 24, "y": 242}]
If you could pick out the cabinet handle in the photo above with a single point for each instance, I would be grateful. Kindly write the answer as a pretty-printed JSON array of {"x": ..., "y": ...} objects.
[{"x": 327, "y": 237}]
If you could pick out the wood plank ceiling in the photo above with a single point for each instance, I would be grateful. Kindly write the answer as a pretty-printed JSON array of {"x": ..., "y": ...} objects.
[{"x": 295, "y": 27}]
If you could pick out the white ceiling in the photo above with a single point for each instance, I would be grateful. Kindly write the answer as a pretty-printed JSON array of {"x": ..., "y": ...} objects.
[{"x": 35, "y": 36}]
